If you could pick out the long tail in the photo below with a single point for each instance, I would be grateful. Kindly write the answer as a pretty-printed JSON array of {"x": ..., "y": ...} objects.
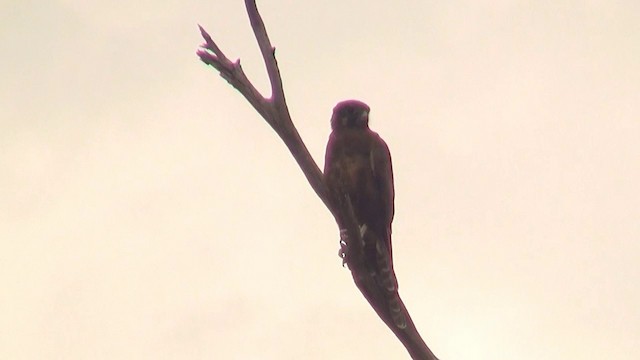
[{"x": 387, "y": 280}]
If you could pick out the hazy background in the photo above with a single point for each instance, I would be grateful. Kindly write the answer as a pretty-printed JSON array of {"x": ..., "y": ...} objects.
[{"x": 147, "y": 211}]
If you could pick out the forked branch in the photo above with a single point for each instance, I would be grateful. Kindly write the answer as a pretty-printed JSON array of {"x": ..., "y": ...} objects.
[{"x": 274, "y": 110}]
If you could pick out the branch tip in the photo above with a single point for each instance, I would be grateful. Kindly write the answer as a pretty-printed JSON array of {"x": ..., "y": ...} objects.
[{"x": 205, "y": 34}]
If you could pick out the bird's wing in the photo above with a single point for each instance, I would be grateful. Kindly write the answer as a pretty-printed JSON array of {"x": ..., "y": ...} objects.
[{"x": 383, "y": 174}]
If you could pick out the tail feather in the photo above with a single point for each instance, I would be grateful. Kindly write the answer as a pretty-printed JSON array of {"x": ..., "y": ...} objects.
[
  {"x": 396, "y": 312},
  {"x": 387, "y": 280}
]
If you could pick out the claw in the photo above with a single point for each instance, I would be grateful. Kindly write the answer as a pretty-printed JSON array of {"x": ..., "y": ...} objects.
[
  {"x": 343, "y": 255},
  {"x": 342, "y": 252},
  {"x": 344, "y": 237}
]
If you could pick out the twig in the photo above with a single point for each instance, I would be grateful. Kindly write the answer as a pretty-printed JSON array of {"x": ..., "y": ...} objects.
[{"x": 275, "y": 111}]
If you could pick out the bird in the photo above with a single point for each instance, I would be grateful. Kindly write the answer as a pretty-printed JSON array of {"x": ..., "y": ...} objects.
[{"x": 358, "y": 169}]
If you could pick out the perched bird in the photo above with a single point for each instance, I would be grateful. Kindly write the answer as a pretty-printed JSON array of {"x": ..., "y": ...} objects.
[{"x": 358, "y": 168}]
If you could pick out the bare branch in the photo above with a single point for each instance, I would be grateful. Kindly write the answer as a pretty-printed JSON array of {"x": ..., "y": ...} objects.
[
  {"x": 268, "y": 52},
  {"x": 275, "y": 111},
  {"x": 211, "y": 54}
]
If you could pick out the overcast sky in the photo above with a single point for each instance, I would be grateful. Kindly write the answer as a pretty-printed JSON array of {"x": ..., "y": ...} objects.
[{"x": 147, "y": 211}]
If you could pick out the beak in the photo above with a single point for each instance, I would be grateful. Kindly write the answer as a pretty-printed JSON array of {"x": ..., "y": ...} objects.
[{"x": 364, "y": 118}]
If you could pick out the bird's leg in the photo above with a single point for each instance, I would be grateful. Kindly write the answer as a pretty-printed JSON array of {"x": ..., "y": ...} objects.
[
  {"x": 342, "y": 252},
  {"x": 344, "y": 242}
]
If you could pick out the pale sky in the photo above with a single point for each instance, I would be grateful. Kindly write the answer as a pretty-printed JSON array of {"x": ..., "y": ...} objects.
[{"x": 147, "y": 211}]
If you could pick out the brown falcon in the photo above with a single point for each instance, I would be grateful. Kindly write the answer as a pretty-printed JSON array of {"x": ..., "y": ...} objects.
[{"x": 358, "y": 169}]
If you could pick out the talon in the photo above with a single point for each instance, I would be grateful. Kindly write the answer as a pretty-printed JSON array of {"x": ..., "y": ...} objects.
[{"x": 342, "y": 252}]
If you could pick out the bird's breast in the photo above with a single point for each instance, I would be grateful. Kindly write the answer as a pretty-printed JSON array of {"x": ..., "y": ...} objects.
[{"x": 353, "y": 172}]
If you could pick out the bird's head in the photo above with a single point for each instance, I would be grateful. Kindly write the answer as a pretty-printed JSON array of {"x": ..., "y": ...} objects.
[{"x": 350, "y": 114}]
